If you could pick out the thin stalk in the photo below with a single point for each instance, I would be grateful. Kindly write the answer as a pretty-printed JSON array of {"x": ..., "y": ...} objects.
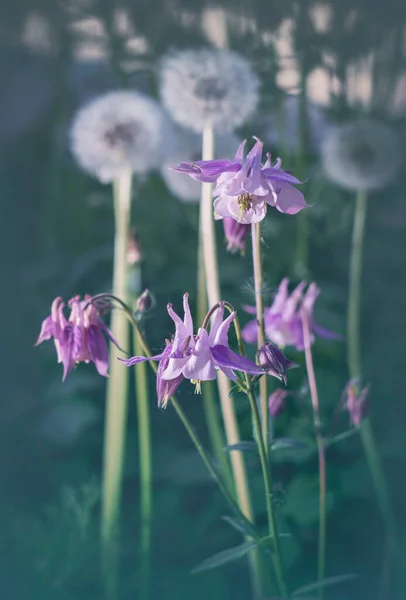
[
  {"x": 208, "y": 241},
  {"x": 145, "y": 465},
  {"x": 266, "y": 469},
  {"x": 210, "y": 406},
  {"x": 259, "y": 303},
  {"x": 302, "y": 220},
  {"x": 117, "y": 392},
  {"x": 354, "y": 364},
  {"x": 144, "y": 444},
  {"x": 321, "y": 564},
  {"x": 213, "y": 293}
]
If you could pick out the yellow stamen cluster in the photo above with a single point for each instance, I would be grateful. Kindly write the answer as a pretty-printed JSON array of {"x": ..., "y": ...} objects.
[{"x": 198, "y": 384}]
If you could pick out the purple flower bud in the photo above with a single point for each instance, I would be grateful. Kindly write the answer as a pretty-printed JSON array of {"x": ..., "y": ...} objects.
[
  {"x": 274, "y": 362},
  {"x": 355, "y": 401},
  {"x": 276, "y": 402},
  {"x": 144, "y": 302},
  {"x": 235, "y": 234}
]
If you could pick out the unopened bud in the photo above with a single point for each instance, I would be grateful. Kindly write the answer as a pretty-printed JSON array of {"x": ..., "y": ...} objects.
[
  {"x": 144, "y": 302},
  {"x": 273, "y": 361},
  {"x": 235, "y": 234}
]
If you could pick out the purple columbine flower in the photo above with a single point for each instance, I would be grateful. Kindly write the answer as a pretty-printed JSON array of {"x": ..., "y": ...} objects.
[
  {"x": 235, "y": 234},
  {"x": 245, "y": 188},
  {"x": 79, "y": 339},
  {"x": 196, "y": 357},
  {"x": 355, "y": 401},
  {"x": 283, "y": 322},
  {"x": 274, "y": 362}
]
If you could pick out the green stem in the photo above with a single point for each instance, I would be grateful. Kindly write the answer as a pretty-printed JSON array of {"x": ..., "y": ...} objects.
[
  {"x": 354, "y": 363},
  {"x": 266, "y": 473},
  {"x": 302, "y": 220},
  {"x": 117, "y": 393},
  {"x": 145, "y": 462},
  {"x": 321, "y": 566},
  {"x": 208, "y": 241},
  {"x": 210, "y": 406},
  {"x": 259, "y": 303}
]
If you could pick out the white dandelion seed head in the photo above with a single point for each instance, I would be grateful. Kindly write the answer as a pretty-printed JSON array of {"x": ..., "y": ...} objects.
[
  {"x": 188, "y": 146},
  {"x": 361, "y": 155},
  {"x": 219, "y": 85},
  {"x": 118, "y": 131},
  {"x": 283, "y": 130}
]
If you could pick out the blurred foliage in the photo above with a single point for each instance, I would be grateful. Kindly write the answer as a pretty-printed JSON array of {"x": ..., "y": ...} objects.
[{"x": 56, "y": 236}]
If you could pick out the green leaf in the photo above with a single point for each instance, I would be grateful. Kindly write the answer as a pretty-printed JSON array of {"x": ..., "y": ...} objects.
[
  {"x": 246, "y": 446},
  {"x": 240, "y": 526},
  {"x": 324, "y": 583},
  {"x": 286, "y": 442},
  {"x": 341, "y": 436},
  {"x": 225, "y": 557}
]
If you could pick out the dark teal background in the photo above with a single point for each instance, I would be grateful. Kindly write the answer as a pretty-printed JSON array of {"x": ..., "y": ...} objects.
[{"x": 56, "y": 236}]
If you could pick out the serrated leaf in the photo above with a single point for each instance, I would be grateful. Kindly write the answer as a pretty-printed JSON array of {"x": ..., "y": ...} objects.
[
  {"x": 225, "y": 557},
  {"x": 341, "y": 436},
  {"x": 240, "y": 526},
  {"x": 246, "y": 446},
  {"x": 324, "y": 583},
  {"x": 286, "y": 442}
]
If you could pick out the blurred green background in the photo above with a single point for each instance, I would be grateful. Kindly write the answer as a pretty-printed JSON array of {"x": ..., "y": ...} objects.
[{"x": 57, "y": 239}]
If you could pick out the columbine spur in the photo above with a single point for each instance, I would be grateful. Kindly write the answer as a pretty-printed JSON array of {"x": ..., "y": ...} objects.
[
  {"x": 361, "y": 155},
  {"x": 204, "y": 85},
  {"x": 283, "y": 321},
  {"x": 235, "y": 234},
  {"x": 117, "y": 132},
  {"x": 79, "y": 339},
  {"x": 196, "y": 357},
  {"x": 245, "y": 188}
]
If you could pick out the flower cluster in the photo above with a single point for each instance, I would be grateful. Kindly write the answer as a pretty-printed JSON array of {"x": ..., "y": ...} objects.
[
  {"x": 245, "y": 187},
  {"x": 283, "y": 321},
  {"x": 81, "y": 338},
  {"x": 197, "y": 357}
]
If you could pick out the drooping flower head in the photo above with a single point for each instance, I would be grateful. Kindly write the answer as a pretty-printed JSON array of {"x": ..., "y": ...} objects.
[
  {"x": 283, "y": 321},
  {"x": 81, "y": 338},
  {"x": 118, "y": 132},
  {"x": 355, "y": 401},
  {"x": 235, "y": 234},
  {"x": 196, "y": 357},
  {"x": 187, "y": 145},
  {"x": 216, "y": 85},
  {"x": 245, "y": 188},
  {"x": 361, "y": 155}
]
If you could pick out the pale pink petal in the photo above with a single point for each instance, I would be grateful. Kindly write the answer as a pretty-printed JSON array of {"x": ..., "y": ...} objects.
[
  {"x": 200, "y": 365},
  {"x": 215, "y": 322},
  {"x": 221, "y": 337}
]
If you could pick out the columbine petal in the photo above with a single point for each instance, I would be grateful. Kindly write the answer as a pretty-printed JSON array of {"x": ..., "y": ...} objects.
[
  {"x": 98, "y": 349},
  {"x": 134, "y": 360},
  {"x": 175, "y": 367},
  {"x": 46, "y": 331},
  {"x": 216, "y": 321},
  {"x": 290, "y": 200},
  {"x": 221, "y": 337},
  {"x": 200, "y": 365},
  {"x": 224, "y": 357},
  {"x": 279, "y": 175},
  {"x": 165, "y": 388}
]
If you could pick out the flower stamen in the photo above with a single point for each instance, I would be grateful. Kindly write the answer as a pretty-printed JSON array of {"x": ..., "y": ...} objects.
[{"x": 198, "y": 385}]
